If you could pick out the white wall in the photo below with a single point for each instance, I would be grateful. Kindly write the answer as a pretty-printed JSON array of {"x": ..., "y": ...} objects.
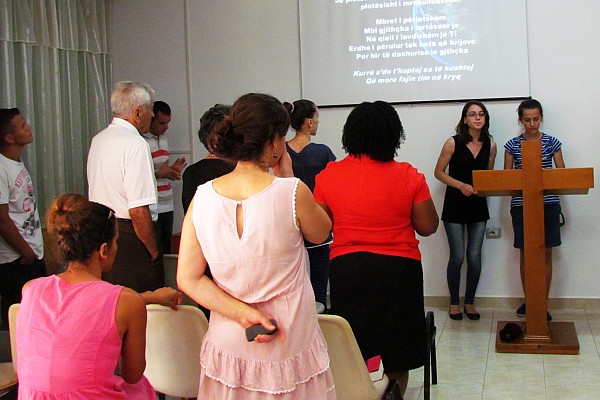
[
  {"x": 148, "y": 44},
  {"x": 198, "y": 53}
]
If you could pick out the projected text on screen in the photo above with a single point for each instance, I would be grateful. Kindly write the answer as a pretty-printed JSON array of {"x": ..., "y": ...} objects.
[{"x": 409, "y": 51}]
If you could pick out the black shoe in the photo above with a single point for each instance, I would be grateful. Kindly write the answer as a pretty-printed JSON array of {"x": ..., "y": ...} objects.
[
  {"x": 521, "y": 313},
  {"x": 472, "y": 316},
  {"x": 456, "y": 317}
]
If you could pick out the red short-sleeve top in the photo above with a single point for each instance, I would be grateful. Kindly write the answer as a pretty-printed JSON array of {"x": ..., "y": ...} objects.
[{"x": 371, "y": 203}]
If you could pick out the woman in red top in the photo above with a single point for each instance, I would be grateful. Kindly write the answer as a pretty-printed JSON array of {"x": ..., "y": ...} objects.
[{"x": 377, "y": 204}]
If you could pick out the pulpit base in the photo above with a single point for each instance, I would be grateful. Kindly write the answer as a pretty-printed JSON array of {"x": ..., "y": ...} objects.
[{"x": 563, "y": 340}]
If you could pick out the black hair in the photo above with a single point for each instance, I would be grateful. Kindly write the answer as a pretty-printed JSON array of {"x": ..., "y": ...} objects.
[
  {"x": 299, "y": 111},
  {"x": 209, "y": 119},
  {"x": 6, "y": 125},
  {"x": 161, "y": 107},
  {"x": 529, "y": 104},
  {"x": 462, "y": 129},
  {"x": 374, "y": 130}
]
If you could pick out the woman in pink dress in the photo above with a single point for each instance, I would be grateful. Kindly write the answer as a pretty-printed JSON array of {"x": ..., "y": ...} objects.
[
  {"x": 73, "y": 328},
  {"x": 249, "y": 226}
]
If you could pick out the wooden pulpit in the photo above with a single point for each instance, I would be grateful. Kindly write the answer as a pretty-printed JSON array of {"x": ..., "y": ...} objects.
[{"x": 541, "y": 336}]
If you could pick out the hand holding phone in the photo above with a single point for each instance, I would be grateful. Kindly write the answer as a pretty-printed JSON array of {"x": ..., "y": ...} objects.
[{"x": 253, "y": 331}]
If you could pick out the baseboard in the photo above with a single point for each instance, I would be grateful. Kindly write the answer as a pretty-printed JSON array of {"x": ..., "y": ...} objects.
[{"x": 514, "y": 302}]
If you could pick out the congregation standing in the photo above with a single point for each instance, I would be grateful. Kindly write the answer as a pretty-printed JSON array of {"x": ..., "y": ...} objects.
[{"x": 256, "y": 209}]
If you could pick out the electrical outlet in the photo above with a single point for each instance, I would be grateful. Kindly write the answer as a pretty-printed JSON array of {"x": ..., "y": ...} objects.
[{"x": 493, "y": 233}]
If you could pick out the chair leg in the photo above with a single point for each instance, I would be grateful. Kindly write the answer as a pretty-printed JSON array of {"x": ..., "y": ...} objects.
[
  {"x": 433, "y": 363},
  {"x": 427, "y": 367},
  {"x": 392, "y": 392},
  {"x": 430, "y": 369}
]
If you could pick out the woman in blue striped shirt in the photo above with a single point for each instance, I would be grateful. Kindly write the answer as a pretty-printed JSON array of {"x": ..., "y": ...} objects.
[{"x": 530, "y": 117}]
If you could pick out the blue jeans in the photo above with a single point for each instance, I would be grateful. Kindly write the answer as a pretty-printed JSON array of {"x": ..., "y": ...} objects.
[{"x": 456, "y": 242}]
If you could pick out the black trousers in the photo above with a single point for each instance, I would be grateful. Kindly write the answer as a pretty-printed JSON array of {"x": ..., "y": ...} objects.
[
  {"x": 133, "y": 266},
  {"x": 13, "y": 276}
]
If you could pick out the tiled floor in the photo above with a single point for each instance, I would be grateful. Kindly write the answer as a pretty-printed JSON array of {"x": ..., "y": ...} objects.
[{"x": 470, "y": 369}]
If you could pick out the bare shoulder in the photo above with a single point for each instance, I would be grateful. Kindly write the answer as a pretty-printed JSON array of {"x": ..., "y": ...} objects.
[
  {"x": 448, "y": 147},
  {"x": 302, "y": 191},
  {"x": 130, "y": 300}
]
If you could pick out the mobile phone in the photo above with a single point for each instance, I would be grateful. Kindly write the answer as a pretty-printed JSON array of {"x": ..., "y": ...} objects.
[{"x": 253, "y": 331}]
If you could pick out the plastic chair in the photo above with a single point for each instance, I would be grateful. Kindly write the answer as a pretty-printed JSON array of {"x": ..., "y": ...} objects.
[
  {"x": 8, "y": 378},
  {"x": 173, "y": 340},
  {"x": 350, "y": 375},
  {"x": 8, "y": 370},
  {"x": 431, "y": 360},
  {"x": 12, "y": 328}
]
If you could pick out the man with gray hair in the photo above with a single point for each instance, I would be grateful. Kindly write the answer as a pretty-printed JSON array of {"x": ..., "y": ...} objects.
[{"x": 121, "y": 176}]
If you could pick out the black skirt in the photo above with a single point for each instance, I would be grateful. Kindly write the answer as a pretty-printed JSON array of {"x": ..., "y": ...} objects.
[{"x": 381, "y": 296}]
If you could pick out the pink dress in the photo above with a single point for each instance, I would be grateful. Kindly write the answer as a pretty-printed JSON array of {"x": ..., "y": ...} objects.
[
  {"x": 265, "y": 267},
  {"x": 68, "y": 345}
]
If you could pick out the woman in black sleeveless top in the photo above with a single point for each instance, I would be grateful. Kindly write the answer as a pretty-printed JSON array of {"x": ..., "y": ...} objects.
[{"x": 472, "y": 148}]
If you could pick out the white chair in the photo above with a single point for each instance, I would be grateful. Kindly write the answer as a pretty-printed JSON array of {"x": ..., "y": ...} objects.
[
  {"x": 173, "y": 340},
  {"x": 12, "y": 327},
  {"x": 8, "y": 378},
  {"x": 8, "y": 370},
  {"x": 350, "y": 374}
]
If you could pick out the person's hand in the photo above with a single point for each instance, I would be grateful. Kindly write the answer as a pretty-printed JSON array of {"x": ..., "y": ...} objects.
[
  {"x": 28, "y": 257},
  {"x": 253, "y": 317},
  {"x": 283, "y": 168},
  {"x": 168, "y": 297},
  {"x": 467, "y": 189},
  {"x": 154, "y": 255},
  {"x": 168, "y": 172},
  {"x": 179, "y": 164}
]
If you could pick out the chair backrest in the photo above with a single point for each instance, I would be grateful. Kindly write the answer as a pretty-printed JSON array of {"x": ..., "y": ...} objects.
[
  {"x": 173, "y": 340},
  {"x": 8, "y": 379},
  {"x": 12, "y": 327},
  {"x": 349, "y": 371}
]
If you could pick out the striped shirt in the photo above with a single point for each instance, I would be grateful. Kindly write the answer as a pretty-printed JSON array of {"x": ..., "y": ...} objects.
[
  {"x": 550, "y": 146},
  {"x": 159, "y": 148}
]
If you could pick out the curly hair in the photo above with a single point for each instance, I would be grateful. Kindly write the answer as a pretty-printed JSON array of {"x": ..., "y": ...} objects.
[
  {"x": 256, "y": 120},
  {"x": 374, "y": 130},
  {"x": 209, "y": 119},
  {"x": 79, "y": 226}
]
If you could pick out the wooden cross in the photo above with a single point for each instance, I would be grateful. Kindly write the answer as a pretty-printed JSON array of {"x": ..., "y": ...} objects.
[{"x": 533, "y": 182}]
